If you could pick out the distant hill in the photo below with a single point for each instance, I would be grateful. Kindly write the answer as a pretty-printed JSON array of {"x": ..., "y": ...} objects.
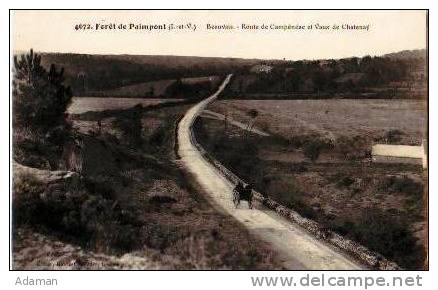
[
  {"x": 85, "y": 72},
  {"x": 184, "y": 61},
  {"x": 88, "y": 73},
  {"x": 407, "y": 54},
  {"x": 395, "y": 75}
]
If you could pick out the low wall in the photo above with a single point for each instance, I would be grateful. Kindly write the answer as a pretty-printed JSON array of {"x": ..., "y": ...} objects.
[{"x": 367, "y": 257}]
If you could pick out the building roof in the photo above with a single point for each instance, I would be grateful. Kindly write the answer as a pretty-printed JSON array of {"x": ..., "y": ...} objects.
[
  {"x": 261, "y": 68},
  {"x": 404, "y": 151}
]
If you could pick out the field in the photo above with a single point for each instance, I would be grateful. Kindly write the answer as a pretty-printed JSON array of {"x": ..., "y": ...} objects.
[
  {"x": 317, "y": 161},
  {"x": 334, "y": 118},
  {"x": 81, "y": 105},
  {"x": 154, "y": 88},
  {"x": 87, "y": 73}
]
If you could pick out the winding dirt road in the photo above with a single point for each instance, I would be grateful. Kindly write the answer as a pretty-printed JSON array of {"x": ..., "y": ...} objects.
[{"x": 297, "y": 249}]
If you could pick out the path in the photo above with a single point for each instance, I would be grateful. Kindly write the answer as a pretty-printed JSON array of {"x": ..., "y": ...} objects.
[{"x": 297, "y": 248}]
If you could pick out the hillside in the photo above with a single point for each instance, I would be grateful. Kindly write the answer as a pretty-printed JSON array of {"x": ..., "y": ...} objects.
[
  {"x": 399, "y": 75},
  {"x": 407, "y": 54},
  {"x": 187, "y": 88},
  {"x": 85, "y": 72},
  {"x": 121, "y": 201}
]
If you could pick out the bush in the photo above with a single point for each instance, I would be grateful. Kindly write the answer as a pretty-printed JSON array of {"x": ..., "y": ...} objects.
[
  {"x": 253, "y": 113},
  {"x": 389, "y": 236},
  {"x": 26, "y": 201},
  {"x": 71, "y": 210},
  {"x": 312, "y": 149},
  {"x": 180, "y": 89},
  {"x": 394, "y": 184},
  {"x": 346, "y": 181},
  {"x": 353, "y": 148},
  {"x": 40, "y": 98},
  {"x": 160, "y": 139},
  {"x": 123, "y": 237},
  {"x": 393, "y": 136},
  {"x": 129, "y": 123},
  {"x": 161, "y": 199},
  {"x": 160, "y": 236}
]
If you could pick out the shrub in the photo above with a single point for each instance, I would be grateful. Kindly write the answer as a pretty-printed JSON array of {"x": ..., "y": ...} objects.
[
  {"x": 393, "y": 184},
  {"x": 160, "y": 236},
  {"x": 161, "y": 199},
  {"x": 180, "y": 89},
  {"x": 253, "y": 113},
  {"x": 26, "y": 201},
  {"x": 160, "y": 138},
  {"x": 129, "y": 123},
  {"x": 346, "y": 181},
  {"x": 123, "y": 237},
  {"x": 387, "y": 235},
  {"x": 68, "y": 208},
  {"x": 393, "y": 136},
  {"x": 31, "y": 148},
  {"x": 312, "y": 149},
  {"x": 298, "y": 167},
  {"x": 353, "y": 148}
]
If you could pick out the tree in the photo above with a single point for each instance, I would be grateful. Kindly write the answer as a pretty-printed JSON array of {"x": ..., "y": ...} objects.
[
  {"x": 151, "y": 91},
  {"x": 295, "y": 81},
  {"x": 253, "y": 113},
  {"x": 40, "y": 98},
  {"x": 175, "y": 89},
  {"x": 320, "y": 80}
]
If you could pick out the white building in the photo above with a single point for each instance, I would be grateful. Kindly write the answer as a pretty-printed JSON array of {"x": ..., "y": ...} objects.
[
  {"x": 261, "y": 68},
  {"x": 400, "y": 154}
]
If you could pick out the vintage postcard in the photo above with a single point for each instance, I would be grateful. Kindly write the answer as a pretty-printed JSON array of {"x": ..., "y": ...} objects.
[{"x": 219, "y": 140}]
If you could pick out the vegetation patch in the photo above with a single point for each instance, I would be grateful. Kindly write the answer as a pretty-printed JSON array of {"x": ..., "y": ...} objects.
[
  {"x": 404, "y": 184},
  {"x": 336, "y": 184},
  {"x": 116, "y": 190}
]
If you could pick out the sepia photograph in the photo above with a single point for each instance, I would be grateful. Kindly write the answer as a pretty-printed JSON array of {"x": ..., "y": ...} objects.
[{"x": 219, "y": 140}]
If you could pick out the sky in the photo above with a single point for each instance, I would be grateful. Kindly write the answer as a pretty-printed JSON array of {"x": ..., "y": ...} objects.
[{"x": 389, "y": 31}]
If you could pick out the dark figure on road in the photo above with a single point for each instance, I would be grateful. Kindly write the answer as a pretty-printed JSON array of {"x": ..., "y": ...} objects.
[{"x": 242, "y": 193}]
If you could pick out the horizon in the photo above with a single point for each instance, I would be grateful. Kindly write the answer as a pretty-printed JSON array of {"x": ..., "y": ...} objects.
[{"x": 224, "y": 57}]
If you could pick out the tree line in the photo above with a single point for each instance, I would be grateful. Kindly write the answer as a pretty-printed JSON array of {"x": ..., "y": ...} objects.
[{"x": 328, "y": 76}]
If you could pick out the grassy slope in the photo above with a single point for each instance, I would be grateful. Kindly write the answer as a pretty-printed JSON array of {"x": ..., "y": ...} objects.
[
  {"x": 104, "y": 72},
  {"x": 155, "y": 211},
  {"x": 153, "y": 89}
]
